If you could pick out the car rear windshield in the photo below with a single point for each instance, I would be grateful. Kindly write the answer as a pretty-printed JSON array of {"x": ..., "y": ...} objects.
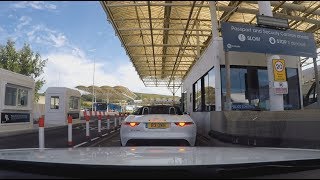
[{"x": 159, "y": 110}]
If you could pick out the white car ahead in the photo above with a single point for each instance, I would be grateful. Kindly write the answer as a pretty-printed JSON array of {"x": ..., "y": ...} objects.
[{"x": 154, "y": 125}]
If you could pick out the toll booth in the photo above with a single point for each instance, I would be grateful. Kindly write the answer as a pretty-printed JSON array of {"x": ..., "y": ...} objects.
[
  {"x": 16, "y": 96},
  {"x": 60, "y": 103}
]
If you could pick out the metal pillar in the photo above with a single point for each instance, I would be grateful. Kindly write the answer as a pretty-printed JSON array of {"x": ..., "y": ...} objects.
[
  {"x": 276, "y": 100},
  {"x": 216, "y": 59},
  {"x": 214, "y": 22},
  {"x": 316, "y": 78},
  {"x": 228, "y": 82}
]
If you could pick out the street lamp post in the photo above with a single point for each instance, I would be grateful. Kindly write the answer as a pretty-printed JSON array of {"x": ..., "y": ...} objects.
[{"x": 94, "y": 100}]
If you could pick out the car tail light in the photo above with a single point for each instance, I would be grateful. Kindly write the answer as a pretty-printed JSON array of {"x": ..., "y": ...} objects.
[
  {"x": 132, "y": 124},
  {"x": 182, "y": 124}
]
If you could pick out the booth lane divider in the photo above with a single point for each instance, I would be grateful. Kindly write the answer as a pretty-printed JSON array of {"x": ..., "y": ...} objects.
[
  {"x": 115, "y": 121},
  {"x": 87, "y": 127},
  {"x": 41, "y": 133},
  {"x": 70, "y": 143},
  {"x": 99, "y": 123},
  {"x": 108, "y": 122}
]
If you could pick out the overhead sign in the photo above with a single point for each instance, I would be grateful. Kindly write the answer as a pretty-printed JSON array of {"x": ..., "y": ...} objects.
[
  {"x": 248, "y": 38},
  {"x": 14, "y": 117},
  {"x": 280, "y": 87},
  {"x": 279, "y": 70}
]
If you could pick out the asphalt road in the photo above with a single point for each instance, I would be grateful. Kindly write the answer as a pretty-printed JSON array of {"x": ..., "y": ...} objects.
[
  {"x": 58, "y": 137},
  {"x": 113, "y": 139}
]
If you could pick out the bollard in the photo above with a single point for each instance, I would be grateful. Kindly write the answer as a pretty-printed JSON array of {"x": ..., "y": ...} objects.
[
  {"x": 115, "y": 121},
  {"x": 99, "y": 122},
  {"x": 70, "y": 130},
  {"x": 87, "y": 128},
  {"x": 108, "y": 122},
  {"x": 41, "y": 133},
  {"x": 85, "y": 113}
]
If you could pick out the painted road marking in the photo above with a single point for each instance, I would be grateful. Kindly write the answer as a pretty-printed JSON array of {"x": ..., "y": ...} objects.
[
  {"x": 104, "y": 139},
  {"x": 80, "y": 144},
  {"x": 112, "y": 131},
  {"x": 104, "y": 134},
  {"x": 95, "y": 138}
]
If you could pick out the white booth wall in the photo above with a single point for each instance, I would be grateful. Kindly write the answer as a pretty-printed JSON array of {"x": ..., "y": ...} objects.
[
  {"x": 16, "y": 101},
  {"x": 214, "y": 56},
  {"x": 57, "y": 107}
]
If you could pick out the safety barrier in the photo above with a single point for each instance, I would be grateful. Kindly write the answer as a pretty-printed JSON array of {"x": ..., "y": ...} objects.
[{"x": 117, "y": 121}]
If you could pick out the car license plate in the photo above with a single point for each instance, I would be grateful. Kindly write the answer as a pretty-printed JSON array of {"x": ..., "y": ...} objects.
[{"x": 158, "y": 125}]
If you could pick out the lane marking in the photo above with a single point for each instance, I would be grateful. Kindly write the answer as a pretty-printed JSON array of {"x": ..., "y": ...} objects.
[
  {"x": 112, "y": 131},
  {"x": 104, "y": 139},
  {"x": 104, "y": 134},
  {"x": 80, "y": 144},
  {"x": 95, "y": 138}
]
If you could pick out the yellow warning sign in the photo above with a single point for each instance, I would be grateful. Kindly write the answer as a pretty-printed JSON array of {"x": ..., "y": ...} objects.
[{"x": 279, "y": 70}]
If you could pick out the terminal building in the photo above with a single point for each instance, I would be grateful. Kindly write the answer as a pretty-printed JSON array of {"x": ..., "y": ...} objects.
[{"x": 237, "y": 63}]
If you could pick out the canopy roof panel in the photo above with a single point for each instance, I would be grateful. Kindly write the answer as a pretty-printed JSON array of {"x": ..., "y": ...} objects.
[{"x": 163, "y": 39}]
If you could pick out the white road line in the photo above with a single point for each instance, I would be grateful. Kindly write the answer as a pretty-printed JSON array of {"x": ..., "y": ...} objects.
[
  {"x": 80, "y": 144},
  {"x": 95, "y": 138},
  {"x": 104, "y": 134},
  {"x": 112, "y": 131}
]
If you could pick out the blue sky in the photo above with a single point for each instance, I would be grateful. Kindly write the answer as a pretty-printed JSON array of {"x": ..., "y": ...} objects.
[{"x": 67, "y": 33}]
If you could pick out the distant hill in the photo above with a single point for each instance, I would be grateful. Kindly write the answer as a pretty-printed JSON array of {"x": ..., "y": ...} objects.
[
  {"x": 120, "y": 93},
  {"x": 153, "y": 96}
]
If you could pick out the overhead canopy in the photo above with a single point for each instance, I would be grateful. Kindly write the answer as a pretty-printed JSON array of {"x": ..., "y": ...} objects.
[{"x": 165, "y": 38}]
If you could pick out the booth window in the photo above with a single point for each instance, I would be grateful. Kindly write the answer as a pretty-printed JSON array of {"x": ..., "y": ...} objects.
[
  {"x": 209, "y": 91},
  {"x": 204, "y": 92},
  {"x": 22, "y": 97},
  {"x": 292, "y": 99},
  {"x": 73, "y": 102},
  {"x": 54, "y": 102},
  {"x": 250, "y": 88},
  {"x": 183, "y": 101},
  {"x": 16, "y": 96},
  {"x": 197, "y": 103}
]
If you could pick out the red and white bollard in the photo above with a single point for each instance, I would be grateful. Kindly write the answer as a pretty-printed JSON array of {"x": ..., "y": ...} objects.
[
  {"x": 87, "y": 127},
  {"x": 99, "y": 122},
  {"x": 108, "y": 122},
  {"x": 70, "y": 130},
  {"x": 84, "y": 113},
  {"x": 90, "y": 112},
  {"x": 41, "y": 133}
]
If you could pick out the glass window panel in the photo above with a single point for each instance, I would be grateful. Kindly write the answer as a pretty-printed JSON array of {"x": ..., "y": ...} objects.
[
  {"x": 198, "y": 99},
  {"x": 75, "y": 103},
  {"x": 22, "y": 97},
  {"x": 263, "y": 89},
  {"x": 292, "y": 99},
  {"x": 11, "y": 96},
  {"x": 211, "y": 91},
  {"x": 54, "y": 102}
]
